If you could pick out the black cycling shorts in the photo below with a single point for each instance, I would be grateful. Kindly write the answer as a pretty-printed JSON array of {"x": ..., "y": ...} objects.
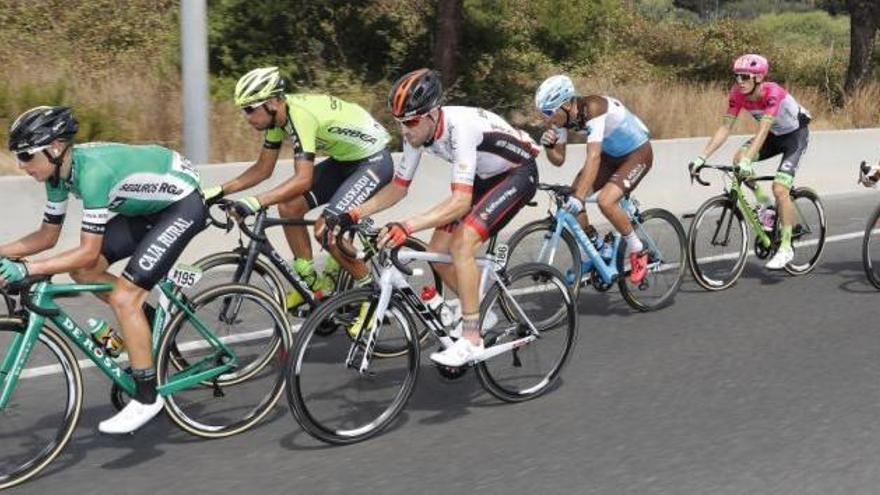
[
  {"x": 154, "y": 242},
  {"x": 497, "y": 200},
  {"x": 343, "y": 185},
  {"x": 791, "y": 146}
]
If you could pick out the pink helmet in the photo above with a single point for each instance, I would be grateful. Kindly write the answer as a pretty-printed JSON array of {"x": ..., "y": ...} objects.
[{"x": 751, "y": 63}]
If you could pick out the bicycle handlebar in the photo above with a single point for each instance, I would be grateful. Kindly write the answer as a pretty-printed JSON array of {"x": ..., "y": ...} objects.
[
  {"x": 223, "y": 205},
  {"x": 368, "y": 230},
  {"x": 23, "y": 288}
]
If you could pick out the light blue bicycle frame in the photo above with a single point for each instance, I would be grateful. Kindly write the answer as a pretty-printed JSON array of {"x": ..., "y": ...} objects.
[{"x": 607, "y": 270}]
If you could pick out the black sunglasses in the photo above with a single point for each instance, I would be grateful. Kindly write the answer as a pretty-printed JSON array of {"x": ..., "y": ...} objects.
[
  {"x": 743, "y": 77},
  {"x": 25, "y": 156},
  {"x": 252, "y": 108}
]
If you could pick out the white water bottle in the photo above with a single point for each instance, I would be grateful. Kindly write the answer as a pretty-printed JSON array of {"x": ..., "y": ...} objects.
[{"x": 435, "y": 301}]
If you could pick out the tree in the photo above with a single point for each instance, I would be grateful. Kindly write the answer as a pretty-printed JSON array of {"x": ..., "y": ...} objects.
[
  {"x": 446, "y": 38},
  {"x": 864, "y": 22}
]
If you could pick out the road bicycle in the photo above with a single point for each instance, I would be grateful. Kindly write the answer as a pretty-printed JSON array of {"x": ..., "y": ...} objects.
[
  {"x": 870, "y": 241},
  {"x": 560, "y": 241},
  {"x": 341, "y": 393},
  {"x": 259, "y": 264},
  {"x": 718, "y": 240},
  {"x": 205, "y": 365}
]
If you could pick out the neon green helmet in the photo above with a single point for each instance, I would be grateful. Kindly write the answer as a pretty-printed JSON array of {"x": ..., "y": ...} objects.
[{"x": 259, "y": 85}]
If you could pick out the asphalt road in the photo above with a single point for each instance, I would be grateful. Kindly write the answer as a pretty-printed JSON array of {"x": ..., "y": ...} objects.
[{"x": 770, "y": 387}]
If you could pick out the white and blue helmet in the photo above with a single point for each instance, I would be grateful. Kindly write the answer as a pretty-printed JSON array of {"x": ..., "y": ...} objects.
[{"x": 552, "y": 93}]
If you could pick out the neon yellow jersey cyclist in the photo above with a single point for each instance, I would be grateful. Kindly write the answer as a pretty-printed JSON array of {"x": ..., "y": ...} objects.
[
  {"x": 358, "y": 164},
  {"x": 326, "y": 125}
]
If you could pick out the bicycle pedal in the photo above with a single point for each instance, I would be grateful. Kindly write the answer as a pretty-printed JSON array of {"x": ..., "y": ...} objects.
[
  {"x": 218, "y": 392},
  {"x": 517, "y": 362}
]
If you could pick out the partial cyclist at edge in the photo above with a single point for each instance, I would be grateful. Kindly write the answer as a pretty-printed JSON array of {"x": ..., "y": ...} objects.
[
  {"x": 783, "y": 129},
  {"x": 619, "y": 155},
  {"x": 494, "y": 175},
  {"x": 140, "y": 202},
  {"x": 358, "y": 164}
]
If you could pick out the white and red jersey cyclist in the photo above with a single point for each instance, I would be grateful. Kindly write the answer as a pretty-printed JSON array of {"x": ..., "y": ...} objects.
[
  {"x": 481, "y": 147},
  {"x": 493, "y": 175}
]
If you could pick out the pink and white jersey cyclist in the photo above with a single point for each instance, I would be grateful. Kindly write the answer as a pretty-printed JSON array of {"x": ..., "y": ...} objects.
[{"x": 782, "y": 130}]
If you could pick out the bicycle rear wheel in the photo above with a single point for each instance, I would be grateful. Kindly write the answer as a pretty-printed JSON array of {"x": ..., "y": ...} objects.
[
  {"x": 664, "y": 239},
  {"x": 258, "y": 336},
  {"x": 45, "y": 408},
  {"x": 808, "y": 231},
  {"x": 539, "y": 292},
  {"x": 331, "y": 397},
  {"x": 533, "y": 242},
  {"x": 717, "y": 244},
  {"x": 871, "y": 248}
]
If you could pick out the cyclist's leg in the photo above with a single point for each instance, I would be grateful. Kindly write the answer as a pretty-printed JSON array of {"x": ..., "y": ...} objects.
[
  {"x": 582, "y": 218},
  {"x": 154, "y": 256},
  {"x": 494, "y": 210},
  {"x": 793, "y": 146},
  {"x": 441, "y": 242},
  {"x": 369, "y": 175},
  {"x": 628, "y": 171}
]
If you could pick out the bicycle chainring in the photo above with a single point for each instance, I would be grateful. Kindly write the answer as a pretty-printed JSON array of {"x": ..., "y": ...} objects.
[
  {"x": 763, "y": 253},
  {"x": 452, "y": 374}
]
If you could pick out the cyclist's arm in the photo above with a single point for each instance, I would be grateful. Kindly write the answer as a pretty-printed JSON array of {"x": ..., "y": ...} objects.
[
  {"x": 760, "y": 137},
  {"x": 387, "y": 197},
  {"x": 256, "y": 173},
  {"x": 299, "y": 184},
  {"x": 85, "y": 255},
  {"x": 556, "y": 153},
  {"x": 587, "y": 176},
  {"x": 38, "y": 241},
  {"x": 719, "y": 138},
  {"x": 445, "y": 212}
]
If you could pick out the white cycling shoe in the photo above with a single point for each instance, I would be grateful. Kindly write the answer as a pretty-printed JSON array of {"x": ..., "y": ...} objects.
[
  {"x": 131, "y": 417},
  {"x": 460, "y": 353},
  {"x": 780, "y": 259}
]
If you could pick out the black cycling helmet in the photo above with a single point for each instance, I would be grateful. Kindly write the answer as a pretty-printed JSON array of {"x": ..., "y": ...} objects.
[
  {"x": 416, "y": 93},
  {"x": 40, "y": 126}
]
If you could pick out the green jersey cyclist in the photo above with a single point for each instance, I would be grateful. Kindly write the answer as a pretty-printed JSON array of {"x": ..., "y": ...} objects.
[
  {"x": 139, "y": 202},
  {"x": 358, "y": 165}
]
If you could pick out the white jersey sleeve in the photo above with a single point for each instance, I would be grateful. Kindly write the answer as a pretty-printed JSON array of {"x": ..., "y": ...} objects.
[{"x": 409, "y": 163}]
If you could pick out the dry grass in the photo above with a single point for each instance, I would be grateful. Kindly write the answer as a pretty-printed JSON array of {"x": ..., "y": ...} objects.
[{"x": 145, "y": 107}]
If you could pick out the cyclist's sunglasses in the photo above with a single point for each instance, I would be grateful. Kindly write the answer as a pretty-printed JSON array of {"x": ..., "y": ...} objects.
[
  {"x": 743, "y": 77},
  {"x": 252, "y": 108},
  {"x": 548, "y": 113},
  {"x": 412, "y": 121},
  {"x": 26, "y": 156}
]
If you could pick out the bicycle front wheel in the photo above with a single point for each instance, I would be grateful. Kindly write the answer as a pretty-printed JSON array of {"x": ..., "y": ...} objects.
[
  {"x": 339, "y": 390},
  {"x": 40, "y": 419},
  {"x": 257, "y": 337},
  {"x": 663, "y": 238},
  {"x": 808, "y": 231},
  {"x": 534, "y": 242},
  {"x": 871, "y": 248},
  {"x": 717, "y": 244},
  {"x": 536, "y": 294}
]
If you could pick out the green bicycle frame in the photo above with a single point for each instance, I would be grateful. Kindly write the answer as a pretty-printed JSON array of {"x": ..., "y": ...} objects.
[
  {"x": 43, "y": 296},
  {"x": 749, "y": 212}
]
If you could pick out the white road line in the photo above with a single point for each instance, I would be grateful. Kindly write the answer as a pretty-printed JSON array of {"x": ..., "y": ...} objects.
[{"x": 87, "y": 363}]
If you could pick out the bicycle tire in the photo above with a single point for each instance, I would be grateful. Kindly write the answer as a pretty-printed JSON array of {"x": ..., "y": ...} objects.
[
  {"x": 811, "y": 196},
  {"x": 730, "y": 211},
  {"x": 631, "y": 293},
  {"x": 311, "y": 345},
  {"x": 491, "y": 380},
  {"x": 574, "y": 271},
  {"x": 73, "y": 410},
  {"x": 280, "y": 331}
]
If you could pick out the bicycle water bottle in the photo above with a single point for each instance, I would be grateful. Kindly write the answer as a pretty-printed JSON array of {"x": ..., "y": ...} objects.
[
  {"x": 607, "y": 251},
  {"x": 106, "y": 337},
  {"x": 767, "y": 216},
  {"x": 435, "y": 301}
]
